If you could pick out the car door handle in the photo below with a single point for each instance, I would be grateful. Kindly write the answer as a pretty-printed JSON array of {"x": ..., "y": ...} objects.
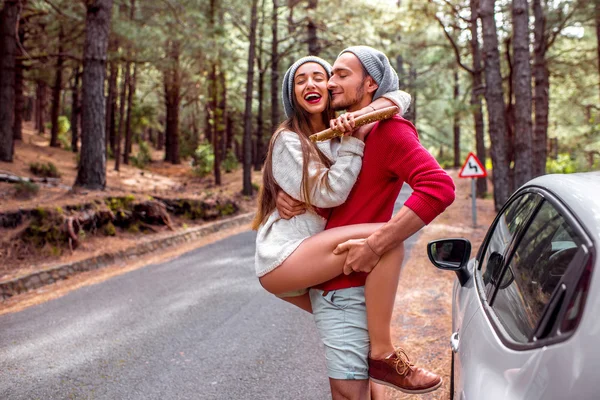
[{"x": 454, "y": 340}]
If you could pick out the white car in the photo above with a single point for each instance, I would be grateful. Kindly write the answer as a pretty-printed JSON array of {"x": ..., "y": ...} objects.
[{"x": 524, "y": 309}]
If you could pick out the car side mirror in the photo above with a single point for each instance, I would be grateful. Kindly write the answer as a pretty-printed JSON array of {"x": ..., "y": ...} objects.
[{"x": 452, "y": 255}]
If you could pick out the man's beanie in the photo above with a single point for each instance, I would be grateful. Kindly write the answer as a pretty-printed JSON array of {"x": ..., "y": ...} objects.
[
  {"x": 288, "y": 81},
  {"x": 378, "y": 66}
]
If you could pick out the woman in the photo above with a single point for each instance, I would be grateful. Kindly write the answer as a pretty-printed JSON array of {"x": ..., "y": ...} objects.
[{"x": 295, "y": 254}]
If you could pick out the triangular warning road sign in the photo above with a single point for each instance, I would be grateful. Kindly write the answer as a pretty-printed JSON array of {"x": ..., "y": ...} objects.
[{"x": 472, "y": 168}]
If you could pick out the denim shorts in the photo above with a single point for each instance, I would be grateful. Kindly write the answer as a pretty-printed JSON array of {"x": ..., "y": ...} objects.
[{"x": 341, "y": 319}]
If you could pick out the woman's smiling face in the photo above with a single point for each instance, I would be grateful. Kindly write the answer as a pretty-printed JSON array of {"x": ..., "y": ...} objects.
[{"x": 310, "y": 87}]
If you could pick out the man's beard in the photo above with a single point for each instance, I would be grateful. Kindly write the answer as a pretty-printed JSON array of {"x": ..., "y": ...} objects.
[{"x": 360, "y": 93}]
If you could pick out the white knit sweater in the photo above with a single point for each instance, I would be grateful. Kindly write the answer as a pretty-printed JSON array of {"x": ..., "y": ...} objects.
[{"x": 277, "y": 238}]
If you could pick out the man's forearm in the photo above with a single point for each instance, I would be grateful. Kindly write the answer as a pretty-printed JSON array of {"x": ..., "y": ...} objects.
[{"x": 402, "y": 226}]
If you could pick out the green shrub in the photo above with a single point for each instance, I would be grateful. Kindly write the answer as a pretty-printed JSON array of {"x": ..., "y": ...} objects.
[
  {"x": 143, "y": 156},
  {"x": 203, "y": 160},
  {"x": 230, "y": 163},
  {"x": 26, "y": 190},
  {"x": 562, "y": 165},
  {"x": 44, "y": 170}
]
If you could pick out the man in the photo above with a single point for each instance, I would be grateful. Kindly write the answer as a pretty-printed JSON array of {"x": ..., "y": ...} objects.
[{"x": 393, "y": 155}]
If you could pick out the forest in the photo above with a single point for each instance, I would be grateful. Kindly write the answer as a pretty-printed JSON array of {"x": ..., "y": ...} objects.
[{"x": 515, "y": 81}]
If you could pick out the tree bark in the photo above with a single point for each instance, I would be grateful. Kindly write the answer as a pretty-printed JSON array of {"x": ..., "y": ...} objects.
[
  {"x": 274, "y": 69},
  {"x": 131, "y": 92},
  {"x": 111, "y": 99},
  {"x": 121, "y": 130},
  {"x": 598, "y": 35},
  {"x": 258, "y": 159},
  {"x": 476, "y": 96},
  {"x": 19, "y": 96},
  {"x": 40, "y": 106},
  {"x": 522, "y": 84},
  {"x": 92, "y": 166},
  {"x": 8, "y": 49},
  {"x": 222, "y": 113},
  {"x": 495, "y": 103},
  {"x": 56, "y": 89},
  {"x": 456, "y": 125},
  {"x": 172, "y": 83},
  {"x": 75, "y": 110},
  {"x": 130, "y": 100},
  {"x": 542, "y": 90},
  {"x": 247, "y": 180},
  {"x": 311, "y": 29}
]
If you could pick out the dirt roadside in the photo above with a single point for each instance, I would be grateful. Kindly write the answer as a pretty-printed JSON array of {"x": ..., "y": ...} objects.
[{"x": 423, "y": 310}]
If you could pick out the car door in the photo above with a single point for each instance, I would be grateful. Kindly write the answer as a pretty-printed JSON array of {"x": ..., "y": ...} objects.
[
  {"x": 496, "y": 245},
  {"x": 528, "y": 275}
]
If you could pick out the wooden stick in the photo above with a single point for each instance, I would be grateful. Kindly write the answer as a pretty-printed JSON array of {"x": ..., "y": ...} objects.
[{"x": 378, "y": 115}]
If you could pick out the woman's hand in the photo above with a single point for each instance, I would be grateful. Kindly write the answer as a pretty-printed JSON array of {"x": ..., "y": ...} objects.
[{"x": 344, "y": 123}]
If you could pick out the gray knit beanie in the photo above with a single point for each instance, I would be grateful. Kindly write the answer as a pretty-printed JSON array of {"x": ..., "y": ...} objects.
[
  {"x": 378, "y": 66},
  {"x": 288, "y": 81}
]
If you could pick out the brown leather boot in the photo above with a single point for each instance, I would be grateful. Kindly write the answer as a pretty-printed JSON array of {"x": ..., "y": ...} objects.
[{"x": 397, "y": 371}]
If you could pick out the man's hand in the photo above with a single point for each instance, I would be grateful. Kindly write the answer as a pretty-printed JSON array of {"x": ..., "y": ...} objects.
[
  {"x": 287, "y": 206},
  {"x": 360, "y": 257}
]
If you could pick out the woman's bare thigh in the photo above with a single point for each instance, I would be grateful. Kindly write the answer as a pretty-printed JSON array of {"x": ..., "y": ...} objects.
[{"x": 313, "y": 262}]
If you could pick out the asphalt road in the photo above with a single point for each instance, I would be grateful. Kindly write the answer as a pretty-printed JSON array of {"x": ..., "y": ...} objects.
[{"x": 197, "y": 327}]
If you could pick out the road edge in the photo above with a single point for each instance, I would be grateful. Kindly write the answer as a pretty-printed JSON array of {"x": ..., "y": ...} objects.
[{"x": 60, "y": 272}]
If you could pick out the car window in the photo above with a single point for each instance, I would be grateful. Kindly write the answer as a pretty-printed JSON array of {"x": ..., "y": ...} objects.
[
  {"x": 537, "y": 266},
  {"x": 507, "y": 224}
]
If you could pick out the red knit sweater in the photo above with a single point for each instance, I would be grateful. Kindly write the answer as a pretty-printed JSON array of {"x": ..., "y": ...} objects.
[{"x": 393, "y": 155}]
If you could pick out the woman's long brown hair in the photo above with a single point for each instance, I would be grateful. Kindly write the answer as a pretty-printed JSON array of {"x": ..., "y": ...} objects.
[{"x": 298, "y": 123}]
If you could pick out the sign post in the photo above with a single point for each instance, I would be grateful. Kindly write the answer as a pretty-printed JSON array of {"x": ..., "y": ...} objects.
[{"x": 472, "y": 168}]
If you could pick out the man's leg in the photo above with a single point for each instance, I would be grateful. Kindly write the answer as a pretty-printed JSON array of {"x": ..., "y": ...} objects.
[
  {"x": 341, "y": 320},
  {"x": 343, "y": 389}
]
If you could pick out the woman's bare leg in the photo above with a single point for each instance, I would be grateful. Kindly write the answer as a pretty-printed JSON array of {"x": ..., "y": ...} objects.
[
  {"x": 302, "y": 302},
  {"x": 313, "y": 263}
]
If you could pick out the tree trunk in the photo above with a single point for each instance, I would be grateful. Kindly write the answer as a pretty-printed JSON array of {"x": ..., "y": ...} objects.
[
  {"x": 222, "y": 113},
  {"x": 542, "y": 90},
  {"x": 40, "y": 106},
  {"x": 92, "y": 166},
  {"x": 131, "y": 93},
  {"x": 172, "y": 83},
  {"x": 19, "y": 96},
  {"x": 111, "y": 99},
  {"x": 598, "y": 34},
  {"x": 121, "y": 130},
  {"x": 216, "y": 120},
  {"x": 476, "y": 96},
  {"x": 130, "y": 99},
  {"x": 56, "y": 91},
  {"x": 495, "y": 103},
  {"x": 456, "y": 124},
  {"x": 8, "y": 49},
  {"x": 411, "y": 113},
  {"x": 258, "y": 159},
  {"x": 522, "y": 85},
  {"x": 229, "y": 133},
  {"x": 311, "y": 29},
  {"x": 274, "y": 69},
  {"x": 400, "y": 69},
  {"x": 510, "y": 117},
  {"x": 75, "y": 111},
  {"x": 247, "y": 181}
]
